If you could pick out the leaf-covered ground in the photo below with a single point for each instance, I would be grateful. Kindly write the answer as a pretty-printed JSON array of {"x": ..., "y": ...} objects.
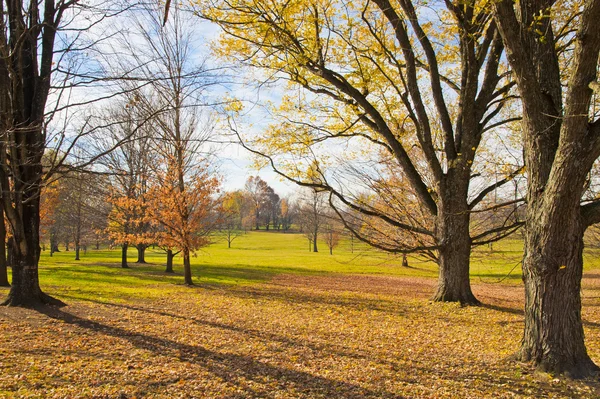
[{"x": 295, "y": 336}]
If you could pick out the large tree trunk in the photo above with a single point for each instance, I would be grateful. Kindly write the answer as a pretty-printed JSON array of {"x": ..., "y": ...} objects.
[
  {"x": 124, "y": 256},
  {"x": 25, "y": 289},
  {"x": 141, "y": 250},
  {"x": 3, "y": 269},
  {"x": 170, "y": 257},
  {"x": 552, "y": 269},
  {"x": 187, "y": 268},
  {"x": 454, "y": 240}
]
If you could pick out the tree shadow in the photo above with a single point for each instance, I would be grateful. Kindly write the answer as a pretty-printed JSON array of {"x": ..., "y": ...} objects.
[
  {"x": 250, "y": 332},
  {"x": 232, "y": 368}
]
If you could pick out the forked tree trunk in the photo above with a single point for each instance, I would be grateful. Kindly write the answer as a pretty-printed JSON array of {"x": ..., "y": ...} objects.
[
  {"x": 170, "y": 257},
  {"x": 124, "y": 256},
  {"x": 141, "y": 250},
  {"x": 187, "y": 268}
]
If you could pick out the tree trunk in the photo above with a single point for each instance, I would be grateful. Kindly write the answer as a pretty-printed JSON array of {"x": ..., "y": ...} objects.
[
  {"x": 25, "y": 289},
  {"x": 454, "y": 240},
  {"x": 315, "y": 249},
  {"x": 77, "y": 249},
  {"x": 404, "y": 260},
  {"x": 10, "y": 248},
  {"x": 552, "y": 269},
  {"x": 141, "y": 250},
  {"x": 170, "y": 257},
  {"x": 3, "y": 268},
  {"x": 187, "y": 268},
  {"x": 124, "y": 256},
  {"x": 53, "y": 245}
]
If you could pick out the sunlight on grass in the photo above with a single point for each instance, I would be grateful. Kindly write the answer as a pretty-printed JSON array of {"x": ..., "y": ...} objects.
[{"x": 254, "y": 258}]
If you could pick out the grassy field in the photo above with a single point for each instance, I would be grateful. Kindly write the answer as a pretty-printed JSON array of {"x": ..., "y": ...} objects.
[{"x": 269, "y": 319}]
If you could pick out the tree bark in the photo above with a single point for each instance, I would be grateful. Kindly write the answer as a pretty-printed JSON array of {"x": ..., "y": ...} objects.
[
  {"x": 141, "y": 250},
  {"x": 559, "y": 149},
  {"x": 552, "y": 269},
  {"x": 187, "y": 268},
  {"x": 404, "y": 260},
  {"x": 25, "y": 290},
  {"x": 3, "y": 268},
  {"x": 124, "y": 256},
  {"x": 315, "y": 249},
  {"x": 170, "y": 257},
  {"x": 452, "y": 230}
]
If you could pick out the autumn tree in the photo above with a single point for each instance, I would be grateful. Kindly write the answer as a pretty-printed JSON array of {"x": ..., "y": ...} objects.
[
  {"x": 181, "y": 200},
  {"x": 81, "y": 205},
  {"x": 232, "y": 205},
  {"x": 332, "y": 231},
  {"x": 555, "y": 65},
  {"x": 259, "y": 193},
  {"x": 311, "y": 215},
  {"x": 129, "y": 169},
  {"x": 381, "y": 77},
  {"x": 288, "y": 213},
  {"x": 27, "y": 67}
]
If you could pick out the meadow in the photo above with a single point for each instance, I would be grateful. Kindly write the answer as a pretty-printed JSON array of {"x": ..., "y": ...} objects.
[{"x": 269, "y": 319}]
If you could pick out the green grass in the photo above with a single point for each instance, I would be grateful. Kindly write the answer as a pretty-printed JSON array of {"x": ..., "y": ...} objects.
[{"x": 255, "y": 257}]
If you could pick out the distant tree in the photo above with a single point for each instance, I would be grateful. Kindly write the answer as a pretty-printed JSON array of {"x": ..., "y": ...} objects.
[
  {"x": 231, "y": 219},
  {"x": 332, "y": 230},
  {"x": 311, "y": 211},
  {"x": 258, "y": 192},
  {"x": 288, "y": 213}
]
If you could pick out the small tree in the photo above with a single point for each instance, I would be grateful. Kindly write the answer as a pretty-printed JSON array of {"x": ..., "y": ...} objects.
[
  {"x": 332, "y": 228},
  {"x": 231, "y": 218},
  {"x": 311, "y": 210}
]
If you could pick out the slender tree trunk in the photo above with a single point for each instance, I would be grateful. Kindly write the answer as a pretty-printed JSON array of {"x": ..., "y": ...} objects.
[
  {"x": 124, "y": 256},
  {"x": 187, "y": 267},
  {"x": 454, "y": 240},
  {"x": 404, "y": 260},
  {"x": 170, "y": 257},
  {"x": 315, "y": 249},
  {"x": 3, "y": 269},
  {"x": 67, "y": 246},
  {"x": 77, "y": 250},
  {"x": 141, "y": 250}
]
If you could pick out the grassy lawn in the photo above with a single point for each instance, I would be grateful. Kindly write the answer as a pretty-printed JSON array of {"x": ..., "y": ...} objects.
[{"x": 269, "y": 319}]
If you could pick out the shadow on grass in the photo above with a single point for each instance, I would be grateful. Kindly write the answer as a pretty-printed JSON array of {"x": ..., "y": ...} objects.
[
  {"x": 337, "y": 350},
  {"x": 232, "y": 368}
]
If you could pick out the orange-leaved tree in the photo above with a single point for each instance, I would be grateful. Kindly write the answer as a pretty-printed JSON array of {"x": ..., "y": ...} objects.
[{"x": 184, "y": 209}]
